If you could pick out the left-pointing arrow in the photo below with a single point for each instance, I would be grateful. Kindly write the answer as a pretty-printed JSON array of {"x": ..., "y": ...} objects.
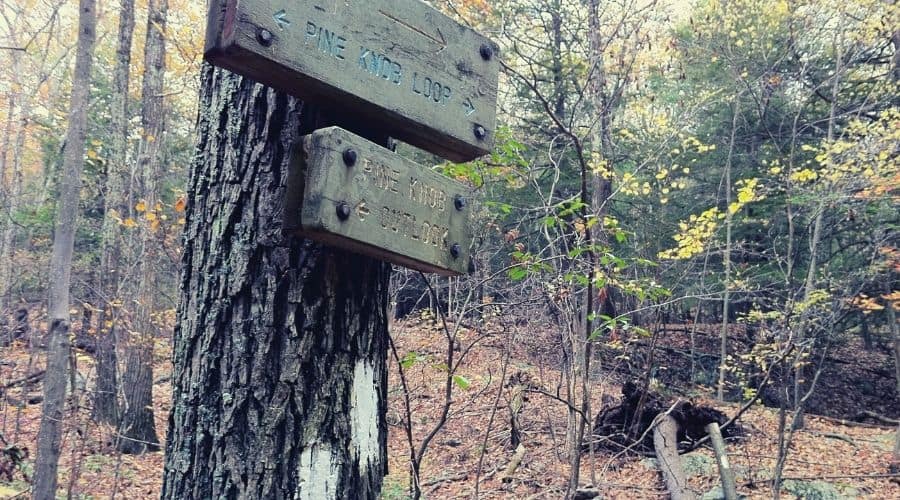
[{"x": 281, "y": 18}]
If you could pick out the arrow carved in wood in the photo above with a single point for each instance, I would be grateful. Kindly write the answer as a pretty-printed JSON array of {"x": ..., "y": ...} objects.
[
  {"x": 362, "y": 210},
  {"x": 280, "y": 17},
  {"x": 470, "y": 108}
]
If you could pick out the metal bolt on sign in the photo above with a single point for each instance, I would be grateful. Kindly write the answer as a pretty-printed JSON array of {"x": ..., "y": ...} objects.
[
  {"x": 349, "y": 157},
  {"x": 343, "y": 210}
]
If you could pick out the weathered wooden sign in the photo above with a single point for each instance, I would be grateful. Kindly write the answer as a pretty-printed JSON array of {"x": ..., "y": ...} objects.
[
  {"x": 364, "y": 198},
  {"x": 399, "y": 63}
]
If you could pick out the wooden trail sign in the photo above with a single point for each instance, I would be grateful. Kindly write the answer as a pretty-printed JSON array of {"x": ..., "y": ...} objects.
[
  {"x": 359, "y": 196},
  {"x": 398, "y": 63}
]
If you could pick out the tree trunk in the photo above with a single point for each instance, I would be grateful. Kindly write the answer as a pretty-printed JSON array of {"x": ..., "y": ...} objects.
[
  {"x": 137, "y": 428},
  {"x": 895, "y": 335},
  {"x": 665, "y": 442},
  {"x": 895, "y": 458},
  {"x": 50, "y": 432},
  {"x": 280, "y": 377},
  {"x": 895, "y": 61},
  {"x": 726, "y": 296},
  {"x": 7, "y": 205},
  {"x": 12, "y": 195},
  {"x": 106, "y": 389},
  {"x": 866, "y": 334}
]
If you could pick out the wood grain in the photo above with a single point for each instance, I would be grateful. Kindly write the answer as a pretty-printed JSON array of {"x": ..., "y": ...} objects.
[
  {"x": 398, "y": 63},
  {"x": 399, "y": 211}
]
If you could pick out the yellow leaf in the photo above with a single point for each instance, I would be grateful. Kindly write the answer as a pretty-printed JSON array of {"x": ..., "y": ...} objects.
[
  {"x": 180, "y": 204},
  {"x": 7, "y": 492},
  {"x": 141, "y": 206},
  {"x": 129, "y": 222}
]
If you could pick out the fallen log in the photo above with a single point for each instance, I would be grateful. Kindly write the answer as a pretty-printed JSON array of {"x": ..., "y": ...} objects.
[
  {"x": 871, "y": 415},
  {"x": 729, "y": 489},
  {"x": 507, "y": 475},
  {"x": 625, "y": 426},
  {"x": 34, "y": 377},
  {"x": 665, "y": 441}
]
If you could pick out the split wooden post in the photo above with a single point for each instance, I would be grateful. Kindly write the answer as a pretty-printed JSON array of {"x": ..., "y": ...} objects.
[
  {"x": 728, "y": 487},
  {"x": 665, "y": 441}
]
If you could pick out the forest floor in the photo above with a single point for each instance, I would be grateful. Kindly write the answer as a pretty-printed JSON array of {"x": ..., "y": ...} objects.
[{"x": 827, "y": 460}]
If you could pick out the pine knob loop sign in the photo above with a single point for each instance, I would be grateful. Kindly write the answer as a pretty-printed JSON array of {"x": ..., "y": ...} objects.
[
  {"x": 354, "y": 194},
  {"x": 400, "y": 64}
]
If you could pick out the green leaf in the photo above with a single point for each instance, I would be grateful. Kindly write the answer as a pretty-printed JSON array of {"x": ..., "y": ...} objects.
[
  {"x": 409, "y": 360},
  {"x": 462, "y": 382},
  {"x": 517, "y": 273}
]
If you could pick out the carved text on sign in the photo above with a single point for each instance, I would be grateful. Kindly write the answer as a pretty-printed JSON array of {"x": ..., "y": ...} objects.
[
  {"x": 379, "y": 204},
  {"x": 398, "y": 64}
]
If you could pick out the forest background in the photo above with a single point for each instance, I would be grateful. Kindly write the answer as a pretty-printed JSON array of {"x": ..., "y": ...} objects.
[{"x": 699, "y": 197}]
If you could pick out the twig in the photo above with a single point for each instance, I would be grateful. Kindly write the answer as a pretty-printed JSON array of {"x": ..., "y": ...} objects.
[
  {"x": 557, "y": 398},
  {"x": 27, "y": 379},
  {"x": 491, "y": 421},
  {"x": 851, "y": 423},
  {"x": 874, "y": 416},
  {"x": 809, "y": 478},
  {"x": 839, "y": 437},
  {"x": 445, "y": 479}
]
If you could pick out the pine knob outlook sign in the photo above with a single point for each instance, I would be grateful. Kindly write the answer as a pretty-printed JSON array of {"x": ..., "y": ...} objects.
[{"x": 426, "y": 79}]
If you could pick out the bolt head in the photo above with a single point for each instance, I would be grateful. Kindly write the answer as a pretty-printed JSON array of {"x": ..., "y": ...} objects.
[
  {"x": 455, "y": 250},
  {"x": 459, "y": 202},
  {"x": 343, "y": 210},
  {"x": 486, "y": 51},
  {"x": 265, "y": 37},
  {"x": 480, "y": 132},
  {"x": 349, "y": 157}
]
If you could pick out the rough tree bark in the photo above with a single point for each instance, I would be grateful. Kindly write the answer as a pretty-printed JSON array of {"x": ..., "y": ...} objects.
[
  {"x": 50, "y": 433},
  {"x": 105, "y": 393},
  {"x": 280, "y": 348},
  {"x": 137, "y": 432}
]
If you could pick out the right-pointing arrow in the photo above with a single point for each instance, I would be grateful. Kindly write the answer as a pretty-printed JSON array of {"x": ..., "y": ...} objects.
[
  {"x": 470, "y": 108},
  {"x": 362, "y": 210}
]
